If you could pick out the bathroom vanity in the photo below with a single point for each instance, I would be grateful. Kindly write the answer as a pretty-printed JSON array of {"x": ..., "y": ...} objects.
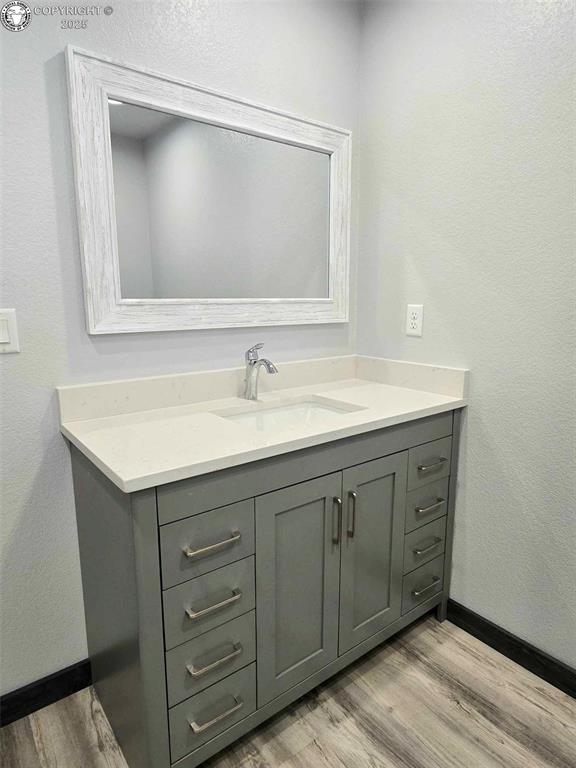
[
  {"x": 219, "y": 591},
  {"x": 237, "y": 551}
]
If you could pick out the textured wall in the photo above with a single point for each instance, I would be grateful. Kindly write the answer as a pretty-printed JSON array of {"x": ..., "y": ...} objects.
[
  {"x": 301, "y": 56},
  {"x": 467, "y": 178}
]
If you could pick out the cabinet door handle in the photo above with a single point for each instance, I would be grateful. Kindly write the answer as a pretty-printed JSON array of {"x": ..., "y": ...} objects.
[
  {"x": 427, "y": 549},
  {"x": 431, "y": 508},
  {"x": 236, "y": 595},
  {"x": 209, "y": 550},
  {"x": 199, "y": 671},
  {"x": 201, "y": 727},
  {"x": 352, "y": 499},
  {"x": 336, "y": 519},
  {"x": 431, "y": 467},
  {"x": 423, "y": 590}
]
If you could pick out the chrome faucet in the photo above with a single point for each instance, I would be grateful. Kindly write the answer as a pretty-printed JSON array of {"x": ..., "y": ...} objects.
[{"x": 253, "y": 365}]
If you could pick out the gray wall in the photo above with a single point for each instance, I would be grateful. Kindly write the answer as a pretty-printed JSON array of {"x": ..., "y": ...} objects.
[
  {"x": 230, "y": 213},
  {"x": 467, "y": 178},
  {"x": 132, "y": 216},
  {"x": 301, "y": 56}
]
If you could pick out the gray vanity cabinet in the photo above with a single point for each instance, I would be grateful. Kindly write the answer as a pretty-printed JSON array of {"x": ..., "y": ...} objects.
[
  {"x": 297, "y": 567},
  {"x": 372, "y": 543},
  {"x": 214, "y": 602},
  {"x": 329, "y": 568}
]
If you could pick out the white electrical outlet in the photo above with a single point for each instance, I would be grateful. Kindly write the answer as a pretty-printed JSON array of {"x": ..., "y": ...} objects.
[{"x": 414, "y": 319}]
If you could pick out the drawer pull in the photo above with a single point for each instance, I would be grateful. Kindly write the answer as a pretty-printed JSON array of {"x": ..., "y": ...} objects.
[
  {"x": 432, "y": 508},
  {"x": 198, "y": 672},
  {"x": 201, "y": 727},
  {"x": 431, "y": 467},
  {"x": 191, "y": 553},
  {"x": 352, "y": 499},
  {"x": 236, "y": 595},
  {"x": 423, "y": 590},
  {"x": 418, "y": 551},
  {"x": 336, "y": 519}
]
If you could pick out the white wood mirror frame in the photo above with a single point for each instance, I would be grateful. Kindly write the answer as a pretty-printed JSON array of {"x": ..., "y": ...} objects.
[{"x": 92, "y": 81}]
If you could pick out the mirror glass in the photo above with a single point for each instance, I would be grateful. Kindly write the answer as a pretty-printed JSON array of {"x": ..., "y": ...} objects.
[{"x": 209, "y": 212}]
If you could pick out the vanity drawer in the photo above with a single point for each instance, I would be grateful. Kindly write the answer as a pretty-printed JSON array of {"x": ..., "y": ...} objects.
[
  {"x": 208, "y": 658},
  {"x": 205, "y": 542},
  {"x": 205, "y": 715},
  {"x": 428, "y": 462},
  {"x": 208, "y": 601},
  {"x": 422, "y": 584},
  {"x": 426, "y": 504},
  {"x": 424, "y": 544}
]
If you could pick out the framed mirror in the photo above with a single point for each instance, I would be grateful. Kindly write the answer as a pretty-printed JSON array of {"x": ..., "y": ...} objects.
[{"x": 202, "y": 210}]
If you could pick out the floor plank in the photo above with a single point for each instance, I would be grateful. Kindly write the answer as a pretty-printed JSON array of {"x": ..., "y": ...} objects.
[
  {"x": 72, "y": 733},
  {"x": 434, "y": 697}
]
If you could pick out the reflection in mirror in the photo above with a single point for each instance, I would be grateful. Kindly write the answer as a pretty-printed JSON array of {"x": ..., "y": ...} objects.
[{"x": 209, "y": 212}]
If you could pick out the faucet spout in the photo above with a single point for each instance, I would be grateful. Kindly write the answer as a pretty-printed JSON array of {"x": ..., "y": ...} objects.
[{"x": 270, "y": 367}]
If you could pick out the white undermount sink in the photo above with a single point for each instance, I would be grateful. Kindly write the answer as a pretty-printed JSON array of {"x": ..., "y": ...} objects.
[{"x": 310, "y": 410}]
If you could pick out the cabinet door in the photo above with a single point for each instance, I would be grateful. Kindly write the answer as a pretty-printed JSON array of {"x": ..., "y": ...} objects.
[
  {"x": 372, "y": 548},
  {"x": 297, "y": 574}
]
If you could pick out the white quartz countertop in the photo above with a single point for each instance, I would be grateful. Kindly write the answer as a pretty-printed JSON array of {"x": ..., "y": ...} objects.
[{"x": 141, "y": 449}]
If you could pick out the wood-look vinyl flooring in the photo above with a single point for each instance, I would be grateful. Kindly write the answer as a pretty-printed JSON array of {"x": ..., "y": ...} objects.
[{"x": 433, "y": 697}]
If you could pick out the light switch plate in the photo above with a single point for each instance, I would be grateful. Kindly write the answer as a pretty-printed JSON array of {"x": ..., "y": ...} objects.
[
  {"x": 8, "y": 332},
  {"x": 414, "y": 319}
]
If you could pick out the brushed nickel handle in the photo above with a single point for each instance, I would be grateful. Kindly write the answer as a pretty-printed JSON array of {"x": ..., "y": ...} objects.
[
  {"x": 431, "y": 508},
  {"x": 191, "y": 553},
  {"x": 201, "y": 727},
  {"x": 427, "y": 549},
  {"x": 199, "y": 671},
  {"x": 236, "y": 595},
  {"x": 352, "y": 499},
  {"x": 423, "y": 590},
  {"x": 251, "y": 355},
  {"x": 336, "y": 526},
  {"x": 431, "y": 467}
]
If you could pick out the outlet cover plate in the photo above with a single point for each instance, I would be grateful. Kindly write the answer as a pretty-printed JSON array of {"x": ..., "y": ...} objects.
[{"x": 414, "y": 319}]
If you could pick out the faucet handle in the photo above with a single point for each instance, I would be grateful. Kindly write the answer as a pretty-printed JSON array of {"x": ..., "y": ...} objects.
[{"x": 252, "y": 353}]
